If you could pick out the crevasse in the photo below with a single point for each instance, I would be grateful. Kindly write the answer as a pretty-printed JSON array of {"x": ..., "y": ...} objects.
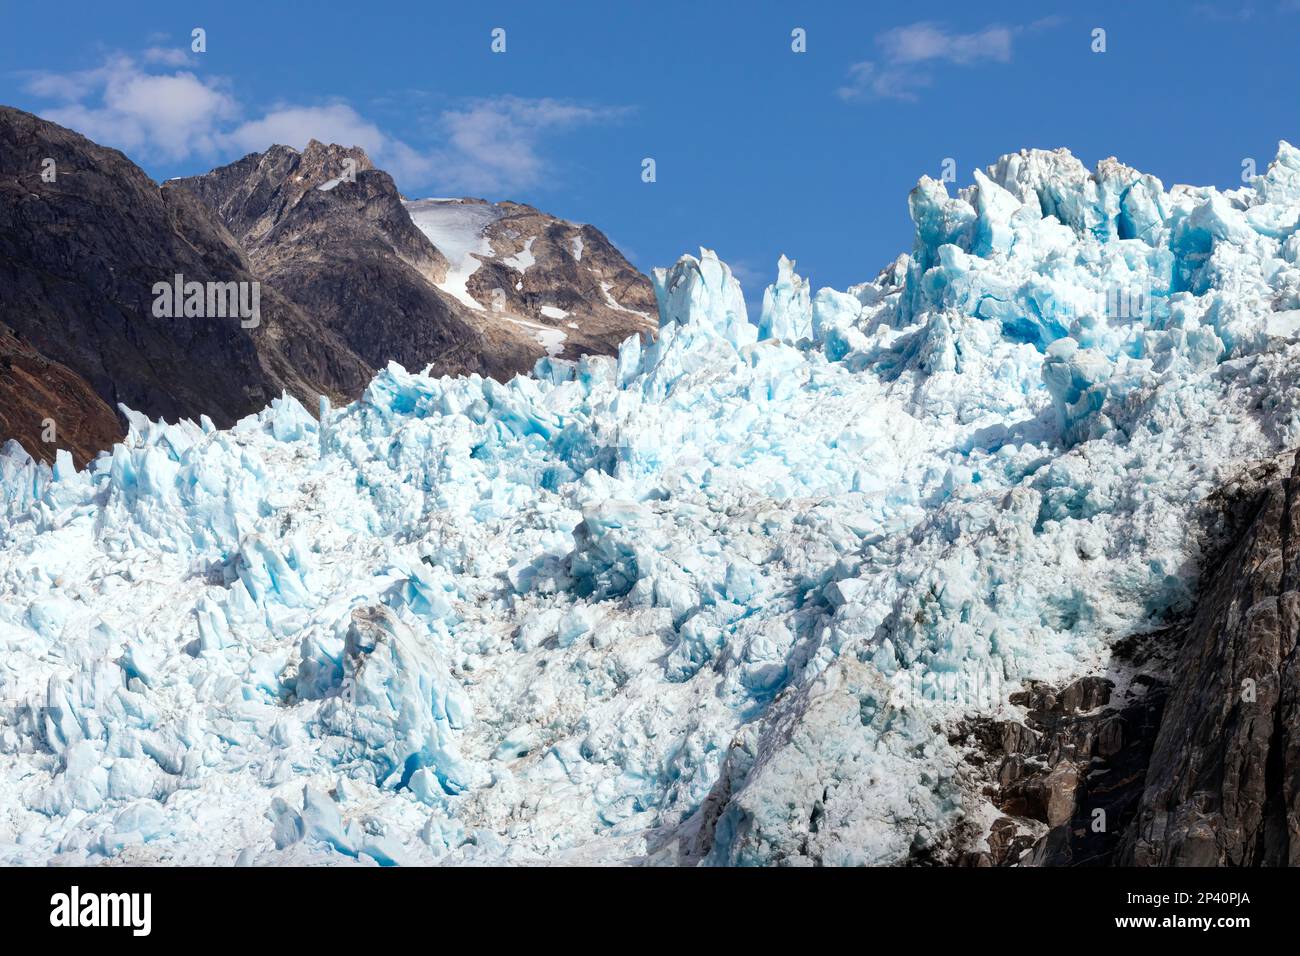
[{"x": 705, "y": 602}]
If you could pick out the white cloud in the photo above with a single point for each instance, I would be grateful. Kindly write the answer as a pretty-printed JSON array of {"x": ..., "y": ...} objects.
[
  {"x": 488, "y": 146},
  {"x": 900, "y": 72},
  {"x": 173, "y": 116},
  {"x": 296, "y": 125},
  {"x": 868, "y": 79}
]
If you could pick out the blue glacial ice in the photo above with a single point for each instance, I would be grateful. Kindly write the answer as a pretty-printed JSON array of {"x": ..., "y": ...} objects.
[{"x": 713, "y": 600}]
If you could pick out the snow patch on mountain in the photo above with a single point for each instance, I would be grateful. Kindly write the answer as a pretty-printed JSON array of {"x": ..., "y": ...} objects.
[
  {"x": 716, "y": 599},
  {"x": 605, "y": 290},
  {"x": 522, "y": 259},
  {"x": 551, "y": 339}
]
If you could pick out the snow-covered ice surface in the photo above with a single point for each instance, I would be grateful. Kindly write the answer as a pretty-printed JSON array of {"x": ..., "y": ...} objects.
[
  {"x": 456, "y": 228},
  {"x": 714, "y": 600}
]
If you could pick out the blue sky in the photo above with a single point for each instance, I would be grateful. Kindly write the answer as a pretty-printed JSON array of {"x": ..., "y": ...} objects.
[{"x": 759, "y": 150}]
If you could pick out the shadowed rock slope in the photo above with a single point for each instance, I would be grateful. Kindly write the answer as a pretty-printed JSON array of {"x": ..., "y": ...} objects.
[
  {"x": 36, "y": 394},
  {"x": 1223, "y": 785}
]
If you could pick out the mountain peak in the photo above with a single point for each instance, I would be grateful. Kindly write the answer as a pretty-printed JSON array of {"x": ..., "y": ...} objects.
[{"x": 330, "y": 159}]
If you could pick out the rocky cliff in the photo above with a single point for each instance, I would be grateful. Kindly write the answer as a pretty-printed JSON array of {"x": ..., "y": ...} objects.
[{"x": 1223, "y": 784}]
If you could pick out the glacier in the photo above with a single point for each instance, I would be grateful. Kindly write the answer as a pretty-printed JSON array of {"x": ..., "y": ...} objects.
[{"x": 713, "y": 601}]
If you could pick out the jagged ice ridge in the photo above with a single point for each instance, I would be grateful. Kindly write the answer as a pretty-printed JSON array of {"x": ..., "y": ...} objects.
[{"x": 708, "y": 601}]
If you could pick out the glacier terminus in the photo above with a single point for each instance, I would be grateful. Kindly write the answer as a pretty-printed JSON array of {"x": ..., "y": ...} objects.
[{"x": 721, "y": 599}]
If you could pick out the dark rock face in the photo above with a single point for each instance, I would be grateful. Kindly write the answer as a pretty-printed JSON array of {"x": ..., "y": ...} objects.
[
  {"x": 1223, "y": 786},
  {"x": 79, "y": 257},
  {"x": 1068, "y": 780}
]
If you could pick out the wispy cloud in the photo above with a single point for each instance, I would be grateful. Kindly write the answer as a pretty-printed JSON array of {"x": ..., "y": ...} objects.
[
  {"x": 870, "y": 80},
  {"x": 1242, "y": 13},
  {"x": 926, "y": 41},
  {"x": 902, "y": 68},
  {"x": 494, "y": 144},
  {"x": 167, "y": 56},
  {"x": 154, "y": 109},
  {"x": 1208, "y": 11}
]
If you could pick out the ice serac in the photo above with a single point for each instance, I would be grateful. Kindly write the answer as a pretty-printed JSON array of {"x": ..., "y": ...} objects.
[
  {"x": 729, "y": 597},
  {"x": 399, "y": 704},
  {"x": 703, "y": 296},
  {"x": 787, "y": 311}
]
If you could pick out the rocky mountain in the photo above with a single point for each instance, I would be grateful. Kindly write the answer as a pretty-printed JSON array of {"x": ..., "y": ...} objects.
[
  {"x": 517, "y": 261},
  {"x": 461, "y": 285},
  {"x": 347, "y": 253},
  {"x": 80, "y": 253},
  {"x": 347, "y": 282}
]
